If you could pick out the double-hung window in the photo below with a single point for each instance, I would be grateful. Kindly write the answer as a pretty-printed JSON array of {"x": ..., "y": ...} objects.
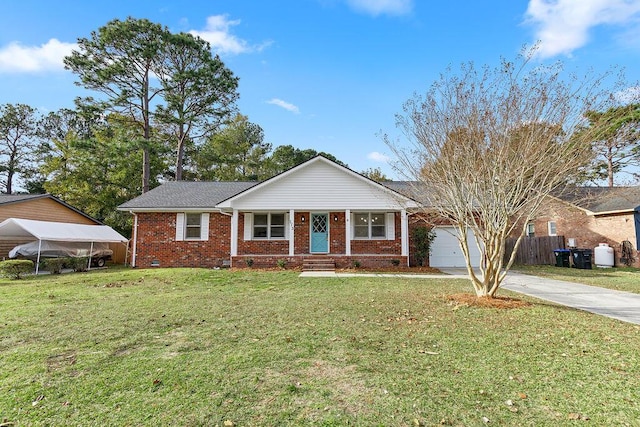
[
  {"x": 192, "y": 226},
  {"x": 268, "y": 226},
  {"x": 551, "y": 225},
  {"x": 369, "y": 225}
]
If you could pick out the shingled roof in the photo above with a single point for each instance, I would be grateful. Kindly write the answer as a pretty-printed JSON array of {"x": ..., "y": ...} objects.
[
  {"x": 600, "y": 200},
  {"x": 187, "y": 195},
  {"x": 13, "y": 198}
]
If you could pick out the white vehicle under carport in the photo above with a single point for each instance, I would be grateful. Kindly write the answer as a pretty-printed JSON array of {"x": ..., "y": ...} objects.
[{"x": 99, "y": 252}]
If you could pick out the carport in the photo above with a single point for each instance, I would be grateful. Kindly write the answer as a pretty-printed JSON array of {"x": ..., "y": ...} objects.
[{"x": 43, "y": 231}]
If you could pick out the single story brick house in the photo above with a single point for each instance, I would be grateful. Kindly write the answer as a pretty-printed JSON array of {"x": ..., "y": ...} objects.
[
  {"x": 588, "y": 216},
  {"x": 316, "y": 209}
]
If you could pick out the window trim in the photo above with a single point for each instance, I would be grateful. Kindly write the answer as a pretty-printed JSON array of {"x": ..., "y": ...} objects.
[
  {"x": 531, "y": 229},
  {"x": 370, "y": 226},
  {"x": 552, "y": 224},
  {"x": 269, "y": 226},
  {"x": 187, "y": 226}
]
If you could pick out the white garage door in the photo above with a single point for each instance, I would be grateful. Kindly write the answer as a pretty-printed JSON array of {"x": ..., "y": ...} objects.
[{"x": 446, "y": 252}]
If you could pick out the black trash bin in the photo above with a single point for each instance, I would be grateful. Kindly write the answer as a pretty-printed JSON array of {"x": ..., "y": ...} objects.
[
  {"x": 582, "y": 258},
  {"x": 562, "y": 257}
]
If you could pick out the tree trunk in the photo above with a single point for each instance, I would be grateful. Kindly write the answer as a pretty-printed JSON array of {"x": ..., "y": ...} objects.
[{"x": 180, "y": 153}]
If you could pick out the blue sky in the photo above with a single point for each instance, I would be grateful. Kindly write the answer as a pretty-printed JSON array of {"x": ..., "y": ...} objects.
[{"x": 325, "y": 74}]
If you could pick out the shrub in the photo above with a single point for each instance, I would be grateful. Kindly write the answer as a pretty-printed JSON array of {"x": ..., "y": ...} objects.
[
  {"x": 282, "y": 263},
  {"x": 249, "y": 262},
  {"x": 78, "y": 263},
  {"x": 422, "y": 237},
  {"x": 15, "y": 268},
  {"x": 356, "y": 263},
  {"x": 54, "y": 265}
]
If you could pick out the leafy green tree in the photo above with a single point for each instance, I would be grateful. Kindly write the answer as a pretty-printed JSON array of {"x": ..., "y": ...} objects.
[
  {"x": 236, "y": 153},
  {"x": 375, "y": 174},
  {"x": 285, "y": 157},
  {"x": 18, "y": 141},
  {"x": 120, "y": 61},
  {"x": 96, "y": 170},
  {"x": 199, "y": 92},
  {"x": 615, "y": 144}
]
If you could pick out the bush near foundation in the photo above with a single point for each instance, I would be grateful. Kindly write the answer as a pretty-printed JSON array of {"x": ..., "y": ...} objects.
[{"x": 15, "y": 268}]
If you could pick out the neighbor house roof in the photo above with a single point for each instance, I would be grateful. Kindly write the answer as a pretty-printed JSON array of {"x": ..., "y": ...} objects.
[
  {"x": 186, "y": 195},
  {"x": 6, "y": 199},
  {"x": 604, "y": 200}
]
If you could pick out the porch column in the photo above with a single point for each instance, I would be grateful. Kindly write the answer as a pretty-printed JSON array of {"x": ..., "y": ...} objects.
[
  {"x": 347, "y": 232},
  {"x": 234, "y": 233},
  {"x": 404, "y": 232},
  {"x": 292, "y": 237}
]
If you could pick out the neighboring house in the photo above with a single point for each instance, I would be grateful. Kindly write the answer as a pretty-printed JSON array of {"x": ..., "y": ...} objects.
[
  {"x": 40, "y": 207},
  {"x": 314, "y": 210},
  {"x": 588, "y": 216}
]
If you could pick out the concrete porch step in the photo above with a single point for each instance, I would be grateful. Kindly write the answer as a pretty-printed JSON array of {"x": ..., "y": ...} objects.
[{"x": 318, "y": 264}]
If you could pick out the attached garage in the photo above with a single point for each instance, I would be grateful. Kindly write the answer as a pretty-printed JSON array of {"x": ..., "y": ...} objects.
[{"x": 446, "y": 252}]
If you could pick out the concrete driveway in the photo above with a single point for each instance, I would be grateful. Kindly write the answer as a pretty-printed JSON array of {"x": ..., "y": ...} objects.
[{"x": 619, "y": 305}]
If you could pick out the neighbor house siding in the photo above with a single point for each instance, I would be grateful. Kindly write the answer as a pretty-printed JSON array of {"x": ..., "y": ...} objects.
[
  {"x": 157, "y": 246},
  {"x": 588, "y": 230},
  {"x": 43, "y": 209}
]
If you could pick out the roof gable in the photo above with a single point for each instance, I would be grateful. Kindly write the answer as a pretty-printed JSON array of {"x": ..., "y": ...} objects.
[{"x": 318, "y": 184}]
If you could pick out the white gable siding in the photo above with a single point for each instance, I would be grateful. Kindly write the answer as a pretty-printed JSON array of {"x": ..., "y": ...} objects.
[{"x": 318, "y": 186}]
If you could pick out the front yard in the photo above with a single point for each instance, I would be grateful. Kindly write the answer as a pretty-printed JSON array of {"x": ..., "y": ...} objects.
[{"x": 246, "y": 348}]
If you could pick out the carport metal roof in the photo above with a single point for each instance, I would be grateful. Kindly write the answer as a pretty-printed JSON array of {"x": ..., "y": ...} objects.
[{"x": 18, "y": 228}]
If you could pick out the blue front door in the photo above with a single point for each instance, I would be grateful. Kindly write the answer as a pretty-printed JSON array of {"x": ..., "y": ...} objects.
[{"x": 319, "y": 233}]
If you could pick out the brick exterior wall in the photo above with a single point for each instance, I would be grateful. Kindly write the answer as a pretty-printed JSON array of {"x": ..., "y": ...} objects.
[
  {"x": 156, "y": 242},
  {"x": 157, "y": 245},
  {"x": 588, "y": 230}
]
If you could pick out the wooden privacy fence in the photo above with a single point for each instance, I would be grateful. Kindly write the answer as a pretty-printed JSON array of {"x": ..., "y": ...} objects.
[{"x": 535, "y": 250}]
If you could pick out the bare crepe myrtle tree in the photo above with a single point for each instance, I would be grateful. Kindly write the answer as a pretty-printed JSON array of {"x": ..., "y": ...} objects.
[{"x": 486, "y": 146}]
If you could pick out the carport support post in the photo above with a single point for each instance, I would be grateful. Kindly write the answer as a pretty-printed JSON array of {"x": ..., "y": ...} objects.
[
  {"x": 38, "y": 258},
  {"x": 90, "y": 252}
]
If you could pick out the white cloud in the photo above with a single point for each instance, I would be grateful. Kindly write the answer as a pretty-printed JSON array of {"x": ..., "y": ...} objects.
[
  {"x": 378, "y": 157},
  {"x": 218, "y": 33},
  {"x": 381, "y": 7},
  {"x": 16, "y": 58},
  {"x": 283, "y": 104},
  {"x": 562, "y": 26}
]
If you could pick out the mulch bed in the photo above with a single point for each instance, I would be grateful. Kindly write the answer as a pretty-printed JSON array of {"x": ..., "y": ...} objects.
[{"x": 471, "y": 300}]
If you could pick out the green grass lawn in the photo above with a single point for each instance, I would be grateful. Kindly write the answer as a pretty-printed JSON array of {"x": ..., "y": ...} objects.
[
  {"x": 621, "y": 279},
  {"x": 196, "y": 347}
]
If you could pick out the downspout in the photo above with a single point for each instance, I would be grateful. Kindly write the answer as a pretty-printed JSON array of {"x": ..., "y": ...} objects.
[
  {"x": 38, "y": 259},
  {"x": 134, "y": 251}
]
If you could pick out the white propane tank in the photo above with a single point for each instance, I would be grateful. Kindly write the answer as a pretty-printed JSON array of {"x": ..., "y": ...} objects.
[{"x": 603, "y": 256}]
